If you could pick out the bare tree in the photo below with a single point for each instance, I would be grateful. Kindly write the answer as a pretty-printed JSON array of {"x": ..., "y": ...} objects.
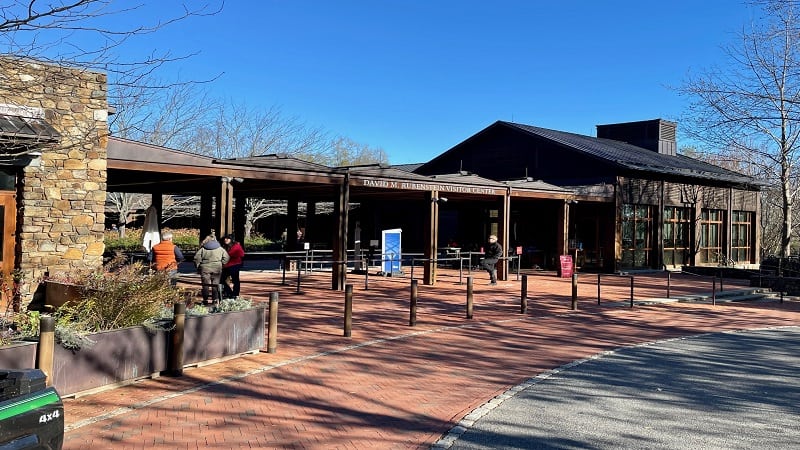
[
  {"x": 751, "y": 108},
  {"x": 237, "y": 130},
  {"x": 344, "y": 151},
  {"x": 80, "y": 33},
  {"x": 125, "y": 205}
]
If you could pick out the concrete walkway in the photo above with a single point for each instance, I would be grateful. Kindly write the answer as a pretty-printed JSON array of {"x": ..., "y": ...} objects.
[{"x": 390, "y": 385}]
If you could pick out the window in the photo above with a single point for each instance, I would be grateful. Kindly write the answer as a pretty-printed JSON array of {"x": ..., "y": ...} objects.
[
  {"x": 741, "y": 236},
  {"x": 676, "y": 235},
  {"x": 637, "y": 231},
  {"x": 711, "y": 238}
]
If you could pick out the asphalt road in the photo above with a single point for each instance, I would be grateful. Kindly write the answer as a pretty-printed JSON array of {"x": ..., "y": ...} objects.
[{"x": 716, "y": 391}]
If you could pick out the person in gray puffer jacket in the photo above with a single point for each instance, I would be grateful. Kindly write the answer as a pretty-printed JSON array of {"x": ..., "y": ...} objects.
[{"x": 209, "y": 260}]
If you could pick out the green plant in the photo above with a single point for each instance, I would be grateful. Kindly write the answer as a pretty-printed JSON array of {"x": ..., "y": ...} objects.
[{"x": 234, "y": 304}]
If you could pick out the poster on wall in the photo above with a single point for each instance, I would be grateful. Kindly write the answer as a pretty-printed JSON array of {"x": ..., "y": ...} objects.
[{"x": 392, "y": 253}]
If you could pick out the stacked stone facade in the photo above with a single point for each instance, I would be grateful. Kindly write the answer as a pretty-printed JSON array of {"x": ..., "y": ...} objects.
[{"x": 61, "y": 194}]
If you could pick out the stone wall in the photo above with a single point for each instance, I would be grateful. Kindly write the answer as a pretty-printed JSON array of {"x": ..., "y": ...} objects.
[{"x": 61, "y": 194}]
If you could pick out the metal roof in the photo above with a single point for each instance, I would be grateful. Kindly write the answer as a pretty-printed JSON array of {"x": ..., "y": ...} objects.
[
  {"x": 632, "y": 157},
  {"x": 21, "y": 131}
]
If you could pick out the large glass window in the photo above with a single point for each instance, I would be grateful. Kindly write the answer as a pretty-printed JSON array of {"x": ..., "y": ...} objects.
[
  {"x": 711, "y": 226},
  {"x": 741, "y": 236},
  {"x": 637, "y": 232},
  {"x": 676, "y": 235}
]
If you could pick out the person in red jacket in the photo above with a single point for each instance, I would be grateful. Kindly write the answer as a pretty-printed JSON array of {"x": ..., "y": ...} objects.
[
  {"x": 166, "y": 256},
  {"x": 232, "y": 267}
]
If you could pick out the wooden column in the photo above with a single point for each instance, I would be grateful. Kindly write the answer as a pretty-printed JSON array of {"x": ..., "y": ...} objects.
[
  {"x": 341, "y": 215},
  {"x": 206, "y": 214},
  {"x": 311, "y": 212},
  {"x": 431, "y": 208},
  {"x": 291, "y": 224},
  {"x": 503, "y": 227},
  {"x": 562, "y": 231},
  {"x": 239, "y": 215},
  {"x": 224, "y": 214},
  {"x": 157, "y": 200}
]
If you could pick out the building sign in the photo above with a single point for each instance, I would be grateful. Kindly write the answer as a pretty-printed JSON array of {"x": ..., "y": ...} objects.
[{"x": 421, "y": 186}]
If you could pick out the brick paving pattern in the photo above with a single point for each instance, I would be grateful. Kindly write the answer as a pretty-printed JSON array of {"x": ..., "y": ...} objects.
[{"x": 391, "y": 385}]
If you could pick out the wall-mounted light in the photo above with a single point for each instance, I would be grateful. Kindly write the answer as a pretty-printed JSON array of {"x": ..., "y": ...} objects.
[
  {"x": 439, "y": 200},
  {"x": 238, "y": 179}
]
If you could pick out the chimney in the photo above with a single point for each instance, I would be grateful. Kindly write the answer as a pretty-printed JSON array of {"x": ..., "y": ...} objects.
[{"x": 657, "y": 135}]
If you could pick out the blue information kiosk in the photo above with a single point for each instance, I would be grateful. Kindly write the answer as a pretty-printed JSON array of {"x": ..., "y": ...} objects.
[{"x": 392, "y": 253}]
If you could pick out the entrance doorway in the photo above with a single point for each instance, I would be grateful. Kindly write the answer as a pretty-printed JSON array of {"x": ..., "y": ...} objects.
[{"x": 8, "y": 226}]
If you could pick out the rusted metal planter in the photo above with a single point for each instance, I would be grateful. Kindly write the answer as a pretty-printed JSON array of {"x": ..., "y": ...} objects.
[
  {"x": 121, "y": 356},
  {"x": 221, "y": 335},
  {"x": 18, "y": 355},
  {"x": 117, "y": 356}
]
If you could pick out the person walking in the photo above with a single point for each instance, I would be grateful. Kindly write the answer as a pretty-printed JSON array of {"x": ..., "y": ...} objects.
[
  {"x": 166, "y": 256},
  {"x": 492, "y": 254},
  {"x": 209, "y": 260},
  {"x": 232, "y": 267}
]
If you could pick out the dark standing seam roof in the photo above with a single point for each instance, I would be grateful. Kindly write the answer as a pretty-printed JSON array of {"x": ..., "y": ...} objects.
[
  {"x": 631, "y": 157},
  {"x": 27, "y": 130}
]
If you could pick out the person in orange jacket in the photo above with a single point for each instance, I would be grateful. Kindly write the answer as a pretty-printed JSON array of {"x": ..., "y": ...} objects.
[
  {"x": 232, "y": 267},
  {"x": 166, "y": 256}
]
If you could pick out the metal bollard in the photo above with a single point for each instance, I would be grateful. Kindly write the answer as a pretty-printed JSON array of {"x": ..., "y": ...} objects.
[
  {"x": 598, "y": 288},
  {"x": 469, "y": 297},
  {"x": 348, "y": 309},
  {"x": 713, "y": 290},
  {"x": 175, "y": 365},
  {"x": 523, "y": 296},
  {"x": 47, "y": 340},
  {"x": 298, "y": 277},
  {"x": 365, "y": 262},
  {"x": 631, "y": 291},
  {"x": 669, "y": 278},
  {"x": 574, "y": 305},
  {"x": 272, "y": 335},
  {"x": 412, "y": 317}
]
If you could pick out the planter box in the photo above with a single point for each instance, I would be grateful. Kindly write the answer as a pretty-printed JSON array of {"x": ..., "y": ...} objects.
[
  {"x": 122, "y": 356},
  {"x": 117, "y": 356},
  {"x": 19, "y": 355},
  {"x": 221, "y": 335}
]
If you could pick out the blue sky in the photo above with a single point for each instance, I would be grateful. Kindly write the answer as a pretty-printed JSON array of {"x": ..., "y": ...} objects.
[{"x": 417, "y": 77}]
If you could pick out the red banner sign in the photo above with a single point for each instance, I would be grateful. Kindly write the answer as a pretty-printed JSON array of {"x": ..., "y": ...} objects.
[{"x": 566, "y": 266}]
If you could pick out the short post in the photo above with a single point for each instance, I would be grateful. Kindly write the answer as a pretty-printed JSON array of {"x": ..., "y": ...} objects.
[
  {"x": 574, "y": 305},
  {"x": 598, "y": 288},
  {"x": 175, "y": 366},
  {"x": 47, "y": 340},
  {"x": 298, "y": 276},
  {"x": 523, "y": 295},
  {"x": 631, "y": 291},
  {"x": 782, "y": 286},
  {"x": 413, "y": 261},
  {"x": 469, "y": 297},
  {"x": 713, "y": 290},
  {"x": 412, "y": 314},
  {"x": 365, "y": 264},
  {"x": 348, "y": 309},
  {"x": 669, "y": 278},
  {"x": 721, "y": 285},
  {"x": 272, "y": 337},
  {"x": 285, "y": 263}
]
